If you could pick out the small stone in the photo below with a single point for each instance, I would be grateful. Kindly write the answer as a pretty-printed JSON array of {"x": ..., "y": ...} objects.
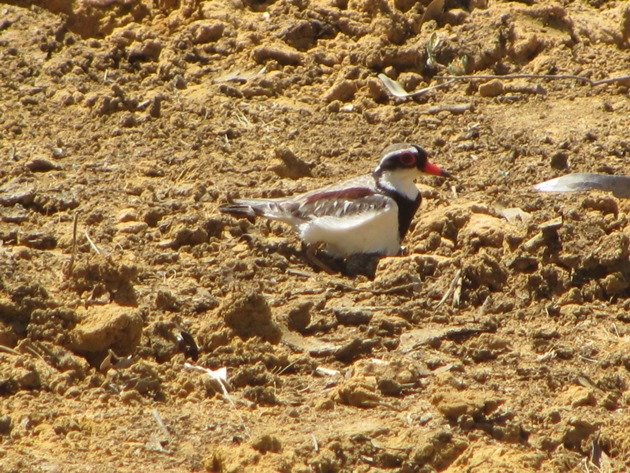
[
  {"x": 127, "y": 215},
  {"x": 41, "y": 165},
  {"x": 58, "y": 153},
  {"x": 64, "y": 98},
  {"x": 483, "y": 230},
  {"x": 455, "y": 16},
  {"x": 301, "y": 35},
  {"x": 207, "y": 33},
  {"x": 131, "y": 227},
  {"x": 104, "y": 327},
  {"x": 493, "y": 88},
  {"x": 560, "y": 160},
  {"x": 146, "y": 51},
  {"x": 377, "y": 90},
  {"x": 353, "y": 349},
  {"x": 17, "y": 214},
  {"x": 343, "y": 91},
  {"x": 334, "y": 106},
  {"x": 281, "y": 53}
]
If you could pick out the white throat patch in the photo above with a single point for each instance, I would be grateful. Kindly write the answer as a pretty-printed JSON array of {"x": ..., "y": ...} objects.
[{"x": 401, "y": 181}]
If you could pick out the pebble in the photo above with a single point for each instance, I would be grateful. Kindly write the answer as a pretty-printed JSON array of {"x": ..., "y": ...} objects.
[
  {"x": 301, "y": 35},
  {"x": 207, "y": 33},
  {"x": 41, "y": 165},
  {"x": 131, "y": 227},
  {"x": 493, "y": 88},
  {"x": 560, "y": 160},
  {"x": 281, "y": 53},
  {"x": 376, "y": 90},
  {"x": 343, "y": 91},
  {"x": 127, "y": 215},
  {"x": 104, "y": 327},
  {"x": 148, "y": 50}
]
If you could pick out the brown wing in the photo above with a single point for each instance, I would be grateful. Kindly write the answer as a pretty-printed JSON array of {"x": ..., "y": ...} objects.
[
  {"x": 343, "y": 199},
  {"x": 340, "y": 203}
]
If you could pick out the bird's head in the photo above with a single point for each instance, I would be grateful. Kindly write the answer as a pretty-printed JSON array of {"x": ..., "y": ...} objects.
[{"x": 407, "y": 159}]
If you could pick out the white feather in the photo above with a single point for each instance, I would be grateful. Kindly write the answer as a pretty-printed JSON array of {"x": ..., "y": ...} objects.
[
  {"x": 366, "y": 232},
  {"x": 402, "y": 181}
]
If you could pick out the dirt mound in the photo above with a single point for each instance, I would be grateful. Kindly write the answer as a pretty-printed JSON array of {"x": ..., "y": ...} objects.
[{"x": 143, "y": 329}]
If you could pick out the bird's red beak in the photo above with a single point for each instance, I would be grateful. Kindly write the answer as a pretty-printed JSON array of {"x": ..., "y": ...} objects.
[{"x": 435, "y": 170}]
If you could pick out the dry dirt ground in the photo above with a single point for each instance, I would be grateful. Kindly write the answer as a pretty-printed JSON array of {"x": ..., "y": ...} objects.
[{"x": 135, "y": 119}]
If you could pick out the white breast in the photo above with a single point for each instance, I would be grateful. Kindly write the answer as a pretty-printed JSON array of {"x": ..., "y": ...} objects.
[{"x": 368, "y": 232}]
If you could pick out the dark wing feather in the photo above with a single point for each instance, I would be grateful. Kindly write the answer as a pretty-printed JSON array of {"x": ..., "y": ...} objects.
[
  {"x": 344, "y": 199},
  {"x": 341, "y": 203}
]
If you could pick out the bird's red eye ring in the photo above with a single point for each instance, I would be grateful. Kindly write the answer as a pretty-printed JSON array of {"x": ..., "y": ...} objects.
[{"x": 408, "y": 159}]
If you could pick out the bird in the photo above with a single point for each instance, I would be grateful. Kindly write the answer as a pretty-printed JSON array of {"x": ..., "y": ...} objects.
[{"x": 366, "y": 215}]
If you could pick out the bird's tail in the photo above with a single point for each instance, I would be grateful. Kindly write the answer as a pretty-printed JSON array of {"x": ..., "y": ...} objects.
[{"x": 244, "y": 208}]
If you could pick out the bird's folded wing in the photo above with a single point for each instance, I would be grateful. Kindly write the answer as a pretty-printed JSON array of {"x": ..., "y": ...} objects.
[{"x": 340, "y": 203}]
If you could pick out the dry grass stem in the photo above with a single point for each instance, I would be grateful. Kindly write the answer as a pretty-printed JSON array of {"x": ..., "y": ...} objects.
[
  {"x": 455, "y": 283},
  {"x": 92, "y": 244},
  {"x": 586, "y": 80}
]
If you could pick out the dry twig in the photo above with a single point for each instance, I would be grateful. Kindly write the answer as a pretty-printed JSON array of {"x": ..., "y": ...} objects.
[
  {"x": 9, "y": 350},
  {"x": 454, "y": 289},
  {"x": 92, "y": 244},
  {"x": 586, "y": 80},
  {"x": 158, "y": 419}
]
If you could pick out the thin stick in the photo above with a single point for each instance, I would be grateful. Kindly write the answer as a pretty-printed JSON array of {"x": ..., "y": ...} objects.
[
  {"x": 92, "y": 244},
  {"x": 158, "y": 419},
  {"x": 297, "y": 272},
  {"x": 451, "y": 288},
  {"x": 610, "y": 80},
  {"x": 9, "y": 350},
  {"x": 420, "y": 92},
  {"x": 536, "y": 76},
  {"x": 457, "y": 293}
]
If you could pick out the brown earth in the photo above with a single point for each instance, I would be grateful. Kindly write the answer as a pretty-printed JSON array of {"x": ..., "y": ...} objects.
[{"x": 135, "y": 119}]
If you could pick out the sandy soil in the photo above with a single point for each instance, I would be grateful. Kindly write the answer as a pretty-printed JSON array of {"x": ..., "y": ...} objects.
[{"x": 126, "y": 123}]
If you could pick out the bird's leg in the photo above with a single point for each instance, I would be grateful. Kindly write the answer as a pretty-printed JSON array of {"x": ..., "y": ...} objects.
[{"x": 311, "y": 255}]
